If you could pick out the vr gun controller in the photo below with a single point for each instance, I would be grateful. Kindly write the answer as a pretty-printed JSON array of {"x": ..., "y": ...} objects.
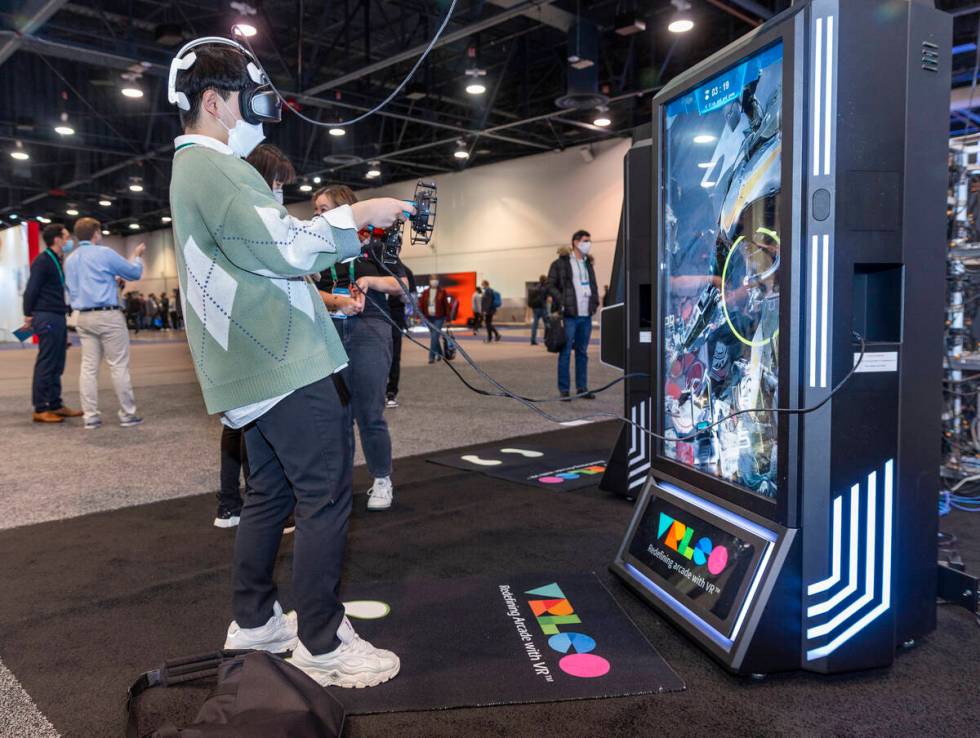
[{"x": 386, "y": 243}]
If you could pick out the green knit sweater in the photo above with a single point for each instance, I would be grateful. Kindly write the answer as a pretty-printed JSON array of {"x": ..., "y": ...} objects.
[{"x": 256, "y": 325}]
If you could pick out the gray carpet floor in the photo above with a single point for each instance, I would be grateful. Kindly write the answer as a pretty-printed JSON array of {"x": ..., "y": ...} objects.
[{"x": 60, "y": 471}]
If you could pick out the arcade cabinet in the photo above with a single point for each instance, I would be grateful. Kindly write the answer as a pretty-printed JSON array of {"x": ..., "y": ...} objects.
[{"x": 798, "y": 221}]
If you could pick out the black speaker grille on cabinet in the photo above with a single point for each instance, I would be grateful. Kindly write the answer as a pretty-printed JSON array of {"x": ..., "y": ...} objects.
[{"x": 930, "y": 56}]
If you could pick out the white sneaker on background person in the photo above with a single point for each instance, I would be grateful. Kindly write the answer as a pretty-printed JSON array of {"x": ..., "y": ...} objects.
[
  {"x": 355, "y": 663},
  {"x": 128, "y": 421},
  {"x": 277, "y": 635},
  {"x": 381, "y": 494}
]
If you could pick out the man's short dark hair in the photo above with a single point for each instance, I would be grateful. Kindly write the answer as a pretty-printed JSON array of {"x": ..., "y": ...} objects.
[
  {"x": 579, "y": 234},
  {"x": 219, "y": 68},
  {"x": 51, "y": 232}
]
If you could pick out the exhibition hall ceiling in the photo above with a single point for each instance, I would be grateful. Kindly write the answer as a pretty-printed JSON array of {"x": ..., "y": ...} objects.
[{"x": 85, "y": 126}]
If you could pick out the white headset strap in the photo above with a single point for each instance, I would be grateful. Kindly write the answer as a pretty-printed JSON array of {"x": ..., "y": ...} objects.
[{"x": 181, "y": 62}]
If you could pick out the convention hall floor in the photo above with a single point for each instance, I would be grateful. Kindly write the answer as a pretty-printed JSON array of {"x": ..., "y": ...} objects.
[{"x": 54, "y": 477}]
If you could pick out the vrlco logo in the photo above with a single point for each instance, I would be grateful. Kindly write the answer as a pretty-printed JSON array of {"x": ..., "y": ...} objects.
[
  {"x": 678, "y": 536},
  {"x": 555, "y": 610}
]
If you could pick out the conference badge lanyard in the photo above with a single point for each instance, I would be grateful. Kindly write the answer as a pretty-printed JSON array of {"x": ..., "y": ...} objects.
[
  {"x": 583, "y": 274},
  {"x": 339, "y": 314},
  {"x": 61, "y": 273}
]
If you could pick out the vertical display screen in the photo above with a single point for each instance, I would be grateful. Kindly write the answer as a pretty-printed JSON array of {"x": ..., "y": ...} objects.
[{"x": 720, "y": 271}]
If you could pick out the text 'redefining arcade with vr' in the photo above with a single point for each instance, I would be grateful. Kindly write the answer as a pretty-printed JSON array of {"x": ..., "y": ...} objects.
[{"x": 722, "y": 200}]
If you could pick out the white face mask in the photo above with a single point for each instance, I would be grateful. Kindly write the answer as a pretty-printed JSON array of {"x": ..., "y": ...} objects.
[
  {"x": 278, "y": 195},
  {"x": 585, "y": 247},
  {"x": 244, "y": 137}
]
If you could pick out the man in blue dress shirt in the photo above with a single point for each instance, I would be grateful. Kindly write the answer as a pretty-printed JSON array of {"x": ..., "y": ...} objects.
[{"x": 90, "y": 274}]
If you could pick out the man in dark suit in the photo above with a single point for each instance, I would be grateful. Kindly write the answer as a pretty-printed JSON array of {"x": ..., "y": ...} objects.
[{"x": 45, "y": 310}]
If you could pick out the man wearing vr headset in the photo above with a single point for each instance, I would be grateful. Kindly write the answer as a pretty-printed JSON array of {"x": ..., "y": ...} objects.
[{"x": 267, "y": 355}]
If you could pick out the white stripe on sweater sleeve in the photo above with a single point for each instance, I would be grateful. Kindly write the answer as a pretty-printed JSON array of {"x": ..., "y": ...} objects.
[{"x": 301, "y": 241}]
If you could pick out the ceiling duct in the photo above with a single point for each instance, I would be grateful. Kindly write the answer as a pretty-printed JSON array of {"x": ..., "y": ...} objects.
[{"x": 582, "y": 88}]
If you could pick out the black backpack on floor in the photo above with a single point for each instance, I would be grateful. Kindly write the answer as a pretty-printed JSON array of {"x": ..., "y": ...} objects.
[{"x": 258, "y": 695}]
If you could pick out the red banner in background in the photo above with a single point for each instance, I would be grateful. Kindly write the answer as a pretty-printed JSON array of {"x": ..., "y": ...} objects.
[
  {"x": 33, "y": 240},
  {"x": 33, "y": 246},
  {"x": 461, "y": 285}
]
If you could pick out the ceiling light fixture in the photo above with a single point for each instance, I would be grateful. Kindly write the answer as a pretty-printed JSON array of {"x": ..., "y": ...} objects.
[
  {"x": 336, "y": 131},
  {"x": 132, "y": 92},
  {"x": 12, "y": 216},
  {"x": 105, "y": 203},
  {"x": 63, "y": 128},
  {"x": 136, "y": 187},
  {"x": 105, "y": 231},
  {"x": 681, "y": 21},
  {"x": 134, "y": 226},
  {"x": 306, "y": 187},
  {"x": 166, "y": 219},
  {"x": 42, "y": 219},
  {"x": 317, "y": 180},
  {"x": 20, "y": 155},
  {"x": 602, "y": 118},
  {"x": 71, "y": 211},
  {"x": 244, "y": 29}
]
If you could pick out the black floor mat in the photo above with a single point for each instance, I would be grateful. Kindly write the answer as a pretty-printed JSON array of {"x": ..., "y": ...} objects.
[
  {"x": 477, "y": 641},
  {"x": 532, "y": 464}
]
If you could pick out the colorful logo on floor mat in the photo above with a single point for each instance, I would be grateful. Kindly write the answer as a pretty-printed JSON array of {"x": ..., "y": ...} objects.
[
  {"x": 555, "y": 610},
  {"x": 575, "y": 473},
  {"x": 678, "y": 536}
]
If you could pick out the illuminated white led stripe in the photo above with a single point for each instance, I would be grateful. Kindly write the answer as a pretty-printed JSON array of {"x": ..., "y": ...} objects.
[
  {"x": 834, "y": 578},
  {"x": 639, "y": 470},
  {"x": 814, "y": 272},
  {"x": 824, "y": 302},
  {"x": 852, "y": 569},
  {"x": 642, "y": 453},
  {"x": 886, "y": 576},
  {"x": 817, "y": 70},
  {"x": 633, "y": 431},
  {"x": 751, "y": 594},
  {"x": 828, "y": 95},
  {"x": 636, "y": 482},
  {"x": 869, "y": 568}
]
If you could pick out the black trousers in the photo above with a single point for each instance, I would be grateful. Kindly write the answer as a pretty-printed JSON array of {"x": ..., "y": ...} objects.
[
  {"x": 234, "y": 460},
  {"x": 52, "y": 333},
  {"x": 395, "y": 370},
  {"x": 299, "y": 454},
  {"x": 491, "y": 330}
]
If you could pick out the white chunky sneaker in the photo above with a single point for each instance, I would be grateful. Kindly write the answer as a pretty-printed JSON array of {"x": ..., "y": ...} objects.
[
  {"x": 355, "y": 663},
  {"x": 381, "y": 494},
  {"x": 276, "y": 636}
]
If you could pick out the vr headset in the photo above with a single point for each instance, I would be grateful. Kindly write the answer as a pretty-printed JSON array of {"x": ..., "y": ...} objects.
[{"x": 259, "y": 104}]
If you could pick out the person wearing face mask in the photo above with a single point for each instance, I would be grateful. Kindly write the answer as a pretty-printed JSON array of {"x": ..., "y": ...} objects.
[
  {"x": 45, "y": 309},
  {"x": 274, "y": 166},
  {"x": 269, "y": 360},
  {"x": 572, "y": 285},
  {"x": 436, "y": 305},
  {"x": 356, "y": 295}
]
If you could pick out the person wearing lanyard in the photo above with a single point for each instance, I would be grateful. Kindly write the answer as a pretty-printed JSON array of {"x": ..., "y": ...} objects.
[
  {"x": 90, "y": 274},
  {"x": 355, "y": 294},
  {"x": 44, "y": 311},
  {"x": 571, "y": 283}
]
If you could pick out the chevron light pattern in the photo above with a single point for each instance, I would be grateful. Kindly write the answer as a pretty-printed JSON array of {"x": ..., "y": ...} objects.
[
  {"x": 858, "y": 590},
  {"x": 639, "y": 454}
]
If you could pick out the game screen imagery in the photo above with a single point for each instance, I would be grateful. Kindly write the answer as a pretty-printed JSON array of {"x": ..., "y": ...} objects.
[{"x": 720, "y": 266}]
